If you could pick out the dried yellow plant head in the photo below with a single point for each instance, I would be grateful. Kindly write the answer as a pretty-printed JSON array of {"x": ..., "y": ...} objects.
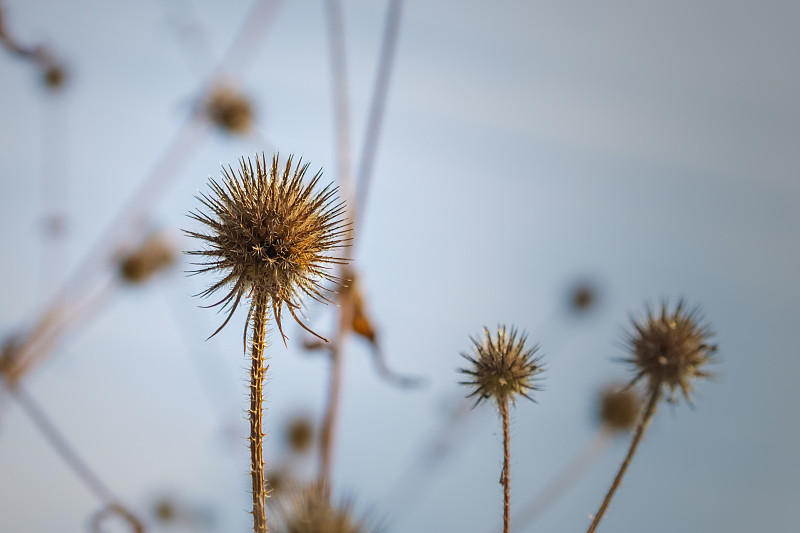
[
  {"x": 670, "y": 348},
  {"x": 502, "y": 366},
  {"x": 309, "y": 510},
  {"x": 268, "y": 232},
  {"x": 229, "y": 110},
  {"x": 619, "y": 408}
]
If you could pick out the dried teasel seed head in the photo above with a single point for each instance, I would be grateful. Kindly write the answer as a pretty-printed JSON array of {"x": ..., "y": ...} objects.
[
  {"x": 153, "y": 255},
  {"x": 670, "y": 348},
  {"x": 309, "y": 510},
  {"x": 502, "y": 367},
  {"x": 54, "y": 76},
  {"x": 300, "y": 434},
  {"x": 619, "y": 408},
  {"x": 229, "y": 110},
  {"x": 582, "y": 297},
  {"x": 267, "y": 231}
]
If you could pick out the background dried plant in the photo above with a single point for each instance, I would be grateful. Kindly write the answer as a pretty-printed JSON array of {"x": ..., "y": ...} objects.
[{"x": 526, "y": 148}]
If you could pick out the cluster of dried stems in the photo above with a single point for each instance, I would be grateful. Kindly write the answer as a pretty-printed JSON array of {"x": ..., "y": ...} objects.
[{"x": 275, "y": 238}]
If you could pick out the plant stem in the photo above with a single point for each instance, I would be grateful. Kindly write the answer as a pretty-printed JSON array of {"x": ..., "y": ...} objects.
[
  {"x": 655, "y": 395},
  {"x": 257, "y": 372},
  {"x": 334, "y": 390},
  {"x": 505, "y": 476}
]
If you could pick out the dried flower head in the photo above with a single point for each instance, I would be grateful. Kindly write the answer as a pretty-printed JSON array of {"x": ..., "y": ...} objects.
[
  {"x": 309, "y": 510},
  {"x": 300, "y": 434},
  {"x": 502, "y": 366},
  {"x": 670, "y": 349},
  {"x": 153, "y": 255},
  {"x": 619, "y": 408},
  {"x": 270, "y": 233},
  {"x": 54, "y": 75},
  {"x": 229, "y": 110}
]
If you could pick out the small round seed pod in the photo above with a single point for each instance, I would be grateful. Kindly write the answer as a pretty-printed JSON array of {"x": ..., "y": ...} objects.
[
  {"x": 300, "y": 434},
  {"x": 154, "y": 255},
  {"x": 502, "y": 367},
  {"x": 619, "y": 408},
  {"x": 670, "y": 348},
  {"x": 230, "y": 110}
]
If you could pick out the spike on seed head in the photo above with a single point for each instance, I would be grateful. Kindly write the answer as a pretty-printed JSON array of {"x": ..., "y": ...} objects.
[
  {"x": 502, "y": 366},
  {"x": 269, "y": 233},
  {"x": 670, "y": 348}
]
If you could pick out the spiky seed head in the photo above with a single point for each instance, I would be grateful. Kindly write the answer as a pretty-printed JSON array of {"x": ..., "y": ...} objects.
[
  {"x": 229, "y": 110},
  {"x": 670, "y": 348},
  {"x": 619, "y": 408},
  {"x": 268, "y": 232},
  {"x": 502, "y": 367},
  {"x": 309, "y": 510}
]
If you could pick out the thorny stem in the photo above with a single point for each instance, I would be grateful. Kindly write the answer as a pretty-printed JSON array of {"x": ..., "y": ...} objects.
[
  {"x": 655, "y": 395},
  {"x": 505, "y": 476},
  {"x": 257, "y": 372},
  {"x": 71, "y": 457}
]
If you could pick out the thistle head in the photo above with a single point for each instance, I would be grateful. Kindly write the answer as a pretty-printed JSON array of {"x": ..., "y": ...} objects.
[
  {"x": 670, "y": 348},
  {"x": 229, "y": 110},
  {"x": 309, "y": 510},
  {"x": 502, "y": 367},
  {"x": 269, "y": 233},
  {"x": 619, "y": 408}
]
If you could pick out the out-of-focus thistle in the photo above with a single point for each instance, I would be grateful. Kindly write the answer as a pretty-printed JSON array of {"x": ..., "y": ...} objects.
[
  {"x": 229, "y": 110},
  {"x": 618, "y": 408},
  {"x": 669, "y": 349},
  {"x": 308, "y": 509},
  {"x": 502, "y": 368},
  {"x": 271, "y": 238}
]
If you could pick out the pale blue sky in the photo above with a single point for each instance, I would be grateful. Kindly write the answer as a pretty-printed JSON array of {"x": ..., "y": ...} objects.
[{"x": 526, "y": 145}]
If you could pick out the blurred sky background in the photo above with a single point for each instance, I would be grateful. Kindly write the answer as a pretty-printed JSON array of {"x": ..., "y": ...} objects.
[{"x": 651, "y": 149}]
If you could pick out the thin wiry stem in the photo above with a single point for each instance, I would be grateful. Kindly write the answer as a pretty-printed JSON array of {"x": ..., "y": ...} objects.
[
  {"x": 655, "y": 395},
  {"x": 505, "y": 476},
  {"x": 258, "y": 371},
  {"x": 70, "y": 456},
  {"x": 378, "y": 106}
]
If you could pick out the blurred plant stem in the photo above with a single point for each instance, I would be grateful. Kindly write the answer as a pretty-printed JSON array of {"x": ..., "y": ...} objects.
[{"x": 655, "y": 395}]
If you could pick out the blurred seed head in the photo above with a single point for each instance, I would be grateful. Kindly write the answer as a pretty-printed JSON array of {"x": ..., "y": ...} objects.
[
  {"x": 582, "y": 297},
  {"x": 54, "y": 76},
  {"x": 229, "y": 110},
  {"x": 619, "y": 408},
  {"x": 502, "y": 367},
  {"x": 670, "y": 348},
  {"x": 300, "y": 434},
  {"x": 267, "y": 231},
  {"x": 152, "y": 256},
  {"x": 165, "y": 510},
  {"x": 309, "y": 510}
]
